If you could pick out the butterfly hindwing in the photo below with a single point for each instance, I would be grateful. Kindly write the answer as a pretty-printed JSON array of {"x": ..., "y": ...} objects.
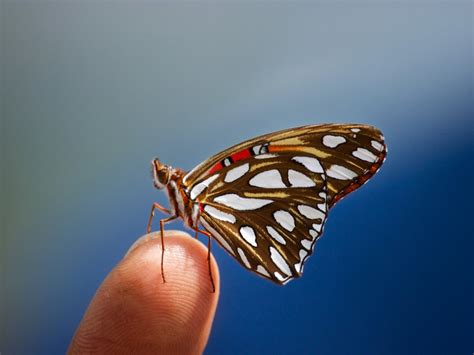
[{"x": 269, "y": 217}]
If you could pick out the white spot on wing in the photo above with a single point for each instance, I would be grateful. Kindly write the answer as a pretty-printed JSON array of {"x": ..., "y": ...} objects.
[
  {"x": 275, "y": 235},
  {"x": 256, "y": 149},
  {"x": 312, "y": 164},
  {"x": 298, "y": 179},
  {"x": 279, "y": 261},
  {"x": 249, "y": 235},
  {"x": 333, "y": 141},
  {"x": 317, "y": 227},
  {"x": 298, "y": 267},
  {"x": 279, "y": 276},
  {"x": 355, "y": 130},
  {"x": 310, "y": 212},
  {"x": 306, "y": 243},
  {"x": 313, "y": 233},
  {"x": 262, "y": 270},
  {"x": 241, "y": 203},
  {"x": 340, "y": 173},
  {"x": 285, "y": 219},
  {"x": 269, "y": 179},
  {"x": 217, "y": 236},
  {"x": 377, "y": 145},
  {"x": 236, "y": 173},
  {"x": 220, "y": 215},
  {"x": 303, "y": 254},
  {"x": 243, "y": 257},
  {"x": 364, "y": 154},
  {"x": 199, "y": 188}
]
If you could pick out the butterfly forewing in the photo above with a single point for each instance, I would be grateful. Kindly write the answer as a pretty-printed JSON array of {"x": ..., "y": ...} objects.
[{"x": 266, "y": 200}]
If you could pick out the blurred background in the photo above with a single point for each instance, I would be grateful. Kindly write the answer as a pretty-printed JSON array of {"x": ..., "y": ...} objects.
[{"x": 92, "y": 91}]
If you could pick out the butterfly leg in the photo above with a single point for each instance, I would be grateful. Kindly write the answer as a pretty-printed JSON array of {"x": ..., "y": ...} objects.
[
  {"x": 209, "y": 263},
  {"x": 208, "y": 235},
  {"x": 152, "y": 214},
  {"x": 162, "y": 233}
]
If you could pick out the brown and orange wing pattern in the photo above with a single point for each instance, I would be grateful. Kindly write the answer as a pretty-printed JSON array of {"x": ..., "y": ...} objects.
[{"x": 266, "y": 200}]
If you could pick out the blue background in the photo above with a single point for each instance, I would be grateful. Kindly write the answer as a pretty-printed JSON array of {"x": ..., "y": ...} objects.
[{"x": 92, "y": 91}]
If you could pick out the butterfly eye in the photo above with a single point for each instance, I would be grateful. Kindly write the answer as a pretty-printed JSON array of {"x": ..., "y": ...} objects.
[
  {"x": 163, "y": 175},
  {"x": 160, "y": 174}
]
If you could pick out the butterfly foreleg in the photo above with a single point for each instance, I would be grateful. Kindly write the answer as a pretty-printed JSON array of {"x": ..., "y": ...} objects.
[
  {"x": 162, "y": 235},
  {"x": 154, "y": 207},
  {"x": 208, "y": 235},
  {"x": 152, "y": 214}
]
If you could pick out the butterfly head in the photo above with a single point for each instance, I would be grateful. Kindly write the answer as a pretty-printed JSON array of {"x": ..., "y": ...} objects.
[{"x": 160, "y": 173}]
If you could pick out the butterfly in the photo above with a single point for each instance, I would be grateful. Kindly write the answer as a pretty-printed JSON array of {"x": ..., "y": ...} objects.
[{"x": 266, "y": 200}]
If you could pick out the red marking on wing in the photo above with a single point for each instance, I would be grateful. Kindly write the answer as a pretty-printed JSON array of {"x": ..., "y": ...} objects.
[
  {"x": 243, "y": 154},
  {"x": 215, "y": 168}
]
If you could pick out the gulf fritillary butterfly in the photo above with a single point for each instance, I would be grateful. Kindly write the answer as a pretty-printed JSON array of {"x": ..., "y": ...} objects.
[{"x": 266, "y": 200}]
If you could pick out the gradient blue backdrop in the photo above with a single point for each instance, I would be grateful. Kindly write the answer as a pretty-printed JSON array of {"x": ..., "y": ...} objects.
[{"x": 91, "y": 91}]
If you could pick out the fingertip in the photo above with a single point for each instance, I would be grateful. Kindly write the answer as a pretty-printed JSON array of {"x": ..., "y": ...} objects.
[
  {"x": 140, "y": 310},
  {"x": 185, "y": 262}
]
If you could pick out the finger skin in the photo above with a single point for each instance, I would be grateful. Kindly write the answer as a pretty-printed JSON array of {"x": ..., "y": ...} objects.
[{"x": 134, "y": 312}]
